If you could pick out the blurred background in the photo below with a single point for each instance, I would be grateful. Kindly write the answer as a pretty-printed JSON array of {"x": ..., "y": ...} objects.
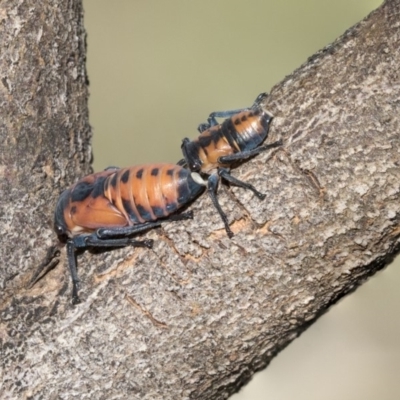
[{"x": 157, "y": 69}]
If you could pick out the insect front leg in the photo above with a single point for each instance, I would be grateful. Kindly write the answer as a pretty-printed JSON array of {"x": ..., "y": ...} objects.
[
  {"x": 225, "y": 173},
  {"x": 212, "y": 187}
]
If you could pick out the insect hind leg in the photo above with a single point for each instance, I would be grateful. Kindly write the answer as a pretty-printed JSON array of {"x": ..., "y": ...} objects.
[
  {"x": 112, "y": 233},
  {"x": 71, "y": 254},
  {"x": 109, "y": 237},
  {"x": 82, "y": 242},
  {"x": 103, "y": 234}
]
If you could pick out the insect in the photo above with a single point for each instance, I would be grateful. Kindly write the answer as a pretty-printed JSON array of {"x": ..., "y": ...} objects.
[
  {"x": 219, "y": 146},
  {"x": 104, "y": 209}
]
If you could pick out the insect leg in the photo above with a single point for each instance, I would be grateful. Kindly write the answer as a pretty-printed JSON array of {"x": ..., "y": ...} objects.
[
  {"x": 182, "y": 163},
  {"x": 181, "y": 217},
  {"x": 85, "y": 241},
  {"x": 224, "y": 173},
  {"x": 94, "y": 241},
  {"x": 71, "y": 254},
  {"x": 212, "y": 191},
  {"x": 244, "y": 155},
  {"x": 212, "y": 118},
  {"x": 110, "y": 233}
]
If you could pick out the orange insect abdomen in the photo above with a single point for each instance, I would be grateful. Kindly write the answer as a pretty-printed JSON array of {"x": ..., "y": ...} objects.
[
  {"x": 148, "y": 192},
  {"x": 121, "y": 197}
]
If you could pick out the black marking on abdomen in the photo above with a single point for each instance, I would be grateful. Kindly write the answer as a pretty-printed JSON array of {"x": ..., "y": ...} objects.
[
  {"x": 139, "y": 173},
  {"x": 231, "y": 134},
  {"x": 154, "y": 172},
  {"x": 171, "y": 207},
  {"x": 113, "y": 181},
  {"x": 98, "y": 187},
  {"x": 81, "y": 191},
  {"x": 158, "y": 212},
  {"x": 125, "y": 176},
  {"x": 205, "y": 140},
  {"x": 144, "y": 213},
  {"x": 130, "y": 211},
  {"x": 217, "y": 135}
]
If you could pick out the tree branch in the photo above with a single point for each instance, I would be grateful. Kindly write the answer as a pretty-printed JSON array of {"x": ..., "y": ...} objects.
[{"x": 198, "y": 314}]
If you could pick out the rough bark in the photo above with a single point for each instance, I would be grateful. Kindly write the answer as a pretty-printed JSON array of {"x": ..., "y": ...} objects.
[{"x": 198, "y": 314}]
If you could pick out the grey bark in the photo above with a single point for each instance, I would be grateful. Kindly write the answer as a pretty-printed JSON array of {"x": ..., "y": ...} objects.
[{"x": 198, "y": 314}]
